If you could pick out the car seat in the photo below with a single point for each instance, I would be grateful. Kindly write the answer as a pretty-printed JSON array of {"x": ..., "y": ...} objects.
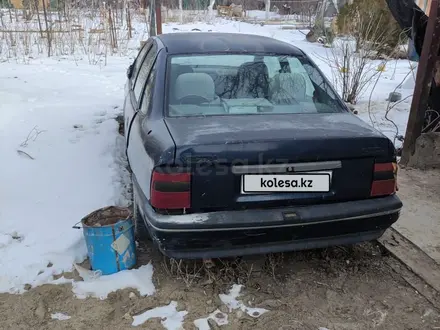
[
  {"x": 195, "y": 87},
  {"x": 288, "y": 88},
  {"x": 176, "y": 71}
]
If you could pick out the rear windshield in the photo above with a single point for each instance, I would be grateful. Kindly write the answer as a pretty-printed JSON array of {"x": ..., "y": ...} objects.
[{"x": 208, "y": 85}]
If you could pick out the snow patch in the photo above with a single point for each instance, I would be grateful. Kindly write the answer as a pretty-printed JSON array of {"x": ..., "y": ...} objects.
[
  {"x": 60, "y": 316},
  {"x": 86, "y": 274},
  {"x": 186, "y": 218},
  {"x": 410, "y": 82},
  {"x": 72, "y": 171},
  {"x": 171, "y": 318},
  {"x": 5, "y": 240},
  {"x": 61, "y": 280},
  {"x": 230, "y": 300},
  {"x": 395, "y": 125},
  {"x": 140, "y": 279}
]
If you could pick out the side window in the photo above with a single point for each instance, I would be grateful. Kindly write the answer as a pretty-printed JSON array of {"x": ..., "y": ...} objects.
[
  {"x": 323, "y": 93},
  {"x": 294, "y": 65},
  {"x": 144, "y": 71},
  {"x": 148, "y": 94},
  {"x": 138, "y": 61},
  {"x": 318, "y": 80}
]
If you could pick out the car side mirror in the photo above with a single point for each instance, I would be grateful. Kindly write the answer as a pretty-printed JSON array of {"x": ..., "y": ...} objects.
[{"x": 130, "y": 71}]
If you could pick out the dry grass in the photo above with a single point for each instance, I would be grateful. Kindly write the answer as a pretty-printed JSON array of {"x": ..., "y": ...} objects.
[
  {"x": 94, "y": 33},
  {"x": 277, "y": 267},
  {"x": 222, "y": 271}
]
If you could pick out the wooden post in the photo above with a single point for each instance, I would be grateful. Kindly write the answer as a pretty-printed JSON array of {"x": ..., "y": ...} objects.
[
  {"x": 37, "y": 9},
  {"x": 152, "y": 9},
  {"x": 424, "y": 78},
  {"x": 48, "y": 34},
  {"x": 158, "y": 17},
  {"x": 129, "y": 27}
]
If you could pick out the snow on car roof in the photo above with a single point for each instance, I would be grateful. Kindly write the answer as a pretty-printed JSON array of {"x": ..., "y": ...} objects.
[{"x": 211, "y": 42}]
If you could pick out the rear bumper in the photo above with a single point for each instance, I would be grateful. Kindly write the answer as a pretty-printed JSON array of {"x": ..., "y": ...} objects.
[{"x": 258, "y": 231}]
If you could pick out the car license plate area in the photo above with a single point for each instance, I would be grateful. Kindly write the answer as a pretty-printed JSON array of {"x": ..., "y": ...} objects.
[{"x": 312, "y": 182}]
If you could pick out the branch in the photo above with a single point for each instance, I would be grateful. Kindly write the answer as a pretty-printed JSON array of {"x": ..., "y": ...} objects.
[
  {"x": 369, "y": 99},
  {"x": 389, "y": 107},
  {"x": 21, "y": 152},
  {"x": 33, "y": 134}
]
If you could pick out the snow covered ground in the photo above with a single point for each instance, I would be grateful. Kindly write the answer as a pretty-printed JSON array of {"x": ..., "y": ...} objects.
[
  {"x": 62, "y": 156},
  {"x": 61, "y": 159}
]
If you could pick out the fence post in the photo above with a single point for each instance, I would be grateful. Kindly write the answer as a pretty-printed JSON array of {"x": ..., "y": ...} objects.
[
  {"x": 152, "y": 8},
  {"x": 158, "y": 17},
  {"x": 267, "y": 2},
  {"x": 424, "y": 78}
]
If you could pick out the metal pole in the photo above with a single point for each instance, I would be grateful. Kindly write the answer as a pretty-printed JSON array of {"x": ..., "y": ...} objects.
[{"x": 424, "y": 77}]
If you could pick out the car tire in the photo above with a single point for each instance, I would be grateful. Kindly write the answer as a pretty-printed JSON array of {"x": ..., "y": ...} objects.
[{"x": 140, "y": 229}]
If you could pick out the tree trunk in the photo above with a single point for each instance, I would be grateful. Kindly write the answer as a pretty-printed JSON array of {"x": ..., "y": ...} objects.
[{"x": 49, "y": 37}]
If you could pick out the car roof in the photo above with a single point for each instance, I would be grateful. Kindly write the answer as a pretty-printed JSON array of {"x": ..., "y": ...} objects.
[{"x": 216, "y": 42}]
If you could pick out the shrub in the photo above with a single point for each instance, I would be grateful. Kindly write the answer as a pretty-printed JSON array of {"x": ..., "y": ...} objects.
[{"x": 370, "y": 21}]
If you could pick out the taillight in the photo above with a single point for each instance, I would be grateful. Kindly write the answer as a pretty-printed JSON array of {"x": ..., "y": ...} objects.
[
  {"x": 170, "y": 189},
  {"x": 384, "y": 179}
]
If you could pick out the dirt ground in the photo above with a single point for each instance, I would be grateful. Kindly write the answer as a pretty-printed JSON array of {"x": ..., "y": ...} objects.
[
  {"x": 337, "y": 288},
  {"x": 340, "y": 288},
  {"x": 420, "y": 221}
]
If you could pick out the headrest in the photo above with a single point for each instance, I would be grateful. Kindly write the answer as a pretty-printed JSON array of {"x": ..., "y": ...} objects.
[
  {"x": 256, "y": 67},
  {"x": 195, "y": 84},
  {"x": 253, "y": 81}
]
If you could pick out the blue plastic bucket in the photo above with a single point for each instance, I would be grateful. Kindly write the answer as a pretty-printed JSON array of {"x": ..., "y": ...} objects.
[
  {"x": 109, "y": 235},
  {"x": 412, "y": 53}
]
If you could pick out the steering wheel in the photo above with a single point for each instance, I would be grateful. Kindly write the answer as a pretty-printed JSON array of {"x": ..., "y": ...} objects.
[{"x": 193, "y": 99}]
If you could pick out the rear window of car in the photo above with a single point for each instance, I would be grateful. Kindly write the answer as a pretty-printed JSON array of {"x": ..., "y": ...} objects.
[{"x": 231, "y": 84}]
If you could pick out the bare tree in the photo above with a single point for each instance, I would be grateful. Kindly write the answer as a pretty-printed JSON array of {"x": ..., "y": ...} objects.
[{"x": 48, "y": 34}]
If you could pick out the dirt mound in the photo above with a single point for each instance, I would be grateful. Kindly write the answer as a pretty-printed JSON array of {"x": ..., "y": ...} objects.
[{"x": 427, "y": 152}]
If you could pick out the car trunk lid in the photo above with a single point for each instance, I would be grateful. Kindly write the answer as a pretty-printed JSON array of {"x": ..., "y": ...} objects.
[{"x": 221, "y": 150}]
